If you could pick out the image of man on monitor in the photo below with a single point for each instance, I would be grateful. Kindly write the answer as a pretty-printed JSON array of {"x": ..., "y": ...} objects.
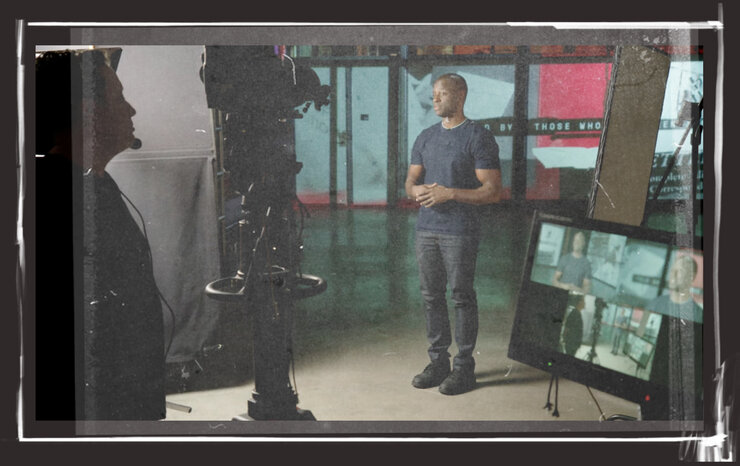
[
  {"x": 679, "y": 301},
  {"x": 572, "y": 335},
  {"x": 573, "y": 272},
  {"x": 678, "y": 349}
]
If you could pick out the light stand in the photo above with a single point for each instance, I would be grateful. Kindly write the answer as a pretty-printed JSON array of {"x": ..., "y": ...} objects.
[
  {"x": 691, "y": 112},
  {"x": 596, "y": 328},
  {"x": 600, "y": 305}
]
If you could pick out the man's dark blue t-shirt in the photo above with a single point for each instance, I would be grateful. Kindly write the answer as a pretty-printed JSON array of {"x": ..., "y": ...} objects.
[
  {"x": 574, "y": 269},
  {"x": 450, "y": 158}
]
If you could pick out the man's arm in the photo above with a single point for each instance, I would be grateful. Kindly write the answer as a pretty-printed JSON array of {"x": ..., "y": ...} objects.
[
  {"x": 489, "y": 191},
  {"x": 413, "y": 189},
  {"x": 556, "y": 279},
  {"x": 585, "y": 287}
]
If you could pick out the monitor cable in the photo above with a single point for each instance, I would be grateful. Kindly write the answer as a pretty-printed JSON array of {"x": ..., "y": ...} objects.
[{"x": 613, "y": 417}]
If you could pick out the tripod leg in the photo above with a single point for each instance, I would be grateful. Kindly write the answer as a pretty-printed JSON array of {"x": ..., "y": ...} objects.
[
  {"x": 548, "y": 405},
  {"x": 556, "y": 413}
]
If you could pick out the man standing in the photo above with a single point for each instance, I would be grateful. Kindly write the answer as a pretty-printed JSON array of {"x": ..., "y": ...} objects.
[{"x": 454, "y": 168}]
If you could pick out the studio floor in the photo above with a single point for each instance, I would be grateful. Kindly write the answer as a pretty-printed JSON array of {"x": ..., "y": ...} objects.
[{"x": 358, "y": 345}]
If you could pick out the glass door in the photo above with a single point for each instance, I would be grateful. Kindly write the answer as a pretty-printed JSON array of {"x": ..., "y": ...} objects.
[
  {"x": 361, "y": 119},
  {"x": 366, "y": 117}
]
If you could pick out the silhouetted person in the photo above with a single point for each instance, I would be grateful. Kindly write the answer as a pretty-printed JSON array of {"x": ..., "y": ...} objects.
[
  {"x": 83, "y": 122},
  {"x": 573, "y": 326}
]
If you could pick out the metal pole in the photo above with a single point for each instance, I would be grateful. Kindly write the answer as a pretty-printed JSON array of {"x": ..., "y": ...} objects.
[
  {"x": 348, "y": 119},
  {"x": 333, "y": 137},
  {"x": 519, "y": 146},
  {"x": 393, "y": 120}
]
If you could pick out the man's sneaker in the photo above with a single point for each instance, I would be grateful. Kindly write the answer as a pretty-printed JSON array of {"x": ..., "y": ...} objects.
[
  {"x": 459, "y": 381},
  {"x": 432, "y": 375}
]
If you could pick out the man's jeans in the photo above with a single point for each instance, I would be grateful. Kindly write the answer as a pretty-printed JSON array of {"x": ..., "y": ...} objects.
[{"x": 449, "y": 259}]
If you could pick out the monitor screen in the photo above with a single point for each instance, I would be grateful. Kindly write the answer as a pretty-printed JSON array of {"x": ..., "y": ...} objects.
[{"x": 615, "y": 307}]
